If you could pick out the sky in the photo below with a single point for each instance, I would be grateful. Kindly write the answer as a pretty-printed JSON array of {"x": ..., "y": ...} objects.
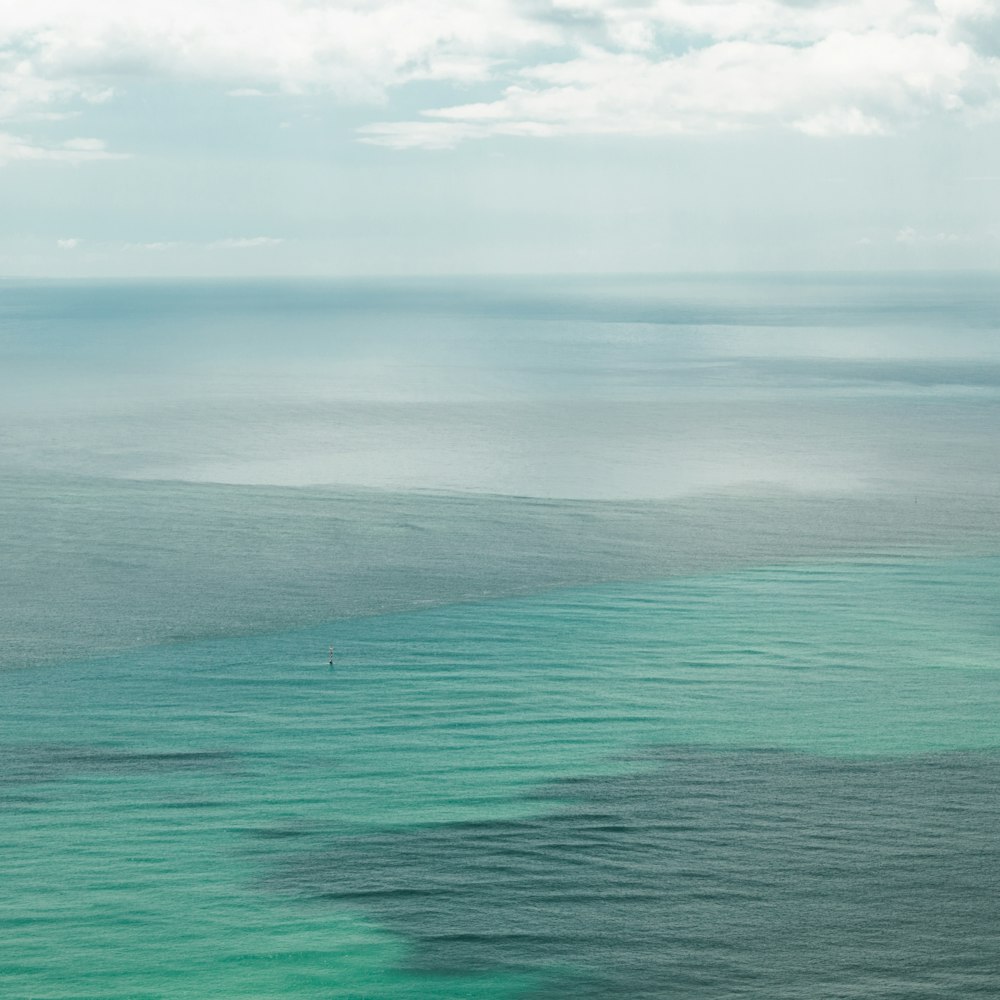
[{"x": 383, "y": 137}]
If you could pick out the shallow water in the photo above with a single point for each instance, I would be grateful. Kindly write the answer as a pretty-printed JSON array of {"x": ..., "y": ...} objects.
[
  {"x": 665, "y": 625},
  {"x": 770, "y": 782}
]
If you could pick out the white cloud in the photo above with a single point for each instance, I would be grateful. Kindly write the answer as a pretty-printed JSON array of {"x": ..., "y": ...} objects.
[
  {"x": 245, "y": 243},
  {"x": 909, "y": 236},
  {"x": 86, "y": 146},
  {"x": 13, "y": 147},
  {"x": 160, "y": 245},
  {"x": 840, "y": 85},
  {"x": 776, "y": 21},
  {"x": 637, "y": 67},
  {"x": 842, "y": 121},
  {"x": 60, "y": 49}
]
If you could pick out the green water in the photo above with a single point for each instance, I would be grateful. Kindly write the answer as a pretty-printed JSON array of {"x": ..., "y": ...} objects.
[{"x": 156, "y": 802}]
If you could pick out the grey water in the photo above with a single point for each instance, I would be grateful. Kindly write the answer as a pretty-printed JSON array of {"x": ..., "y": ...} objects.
[{"x": 664, "y": 612}]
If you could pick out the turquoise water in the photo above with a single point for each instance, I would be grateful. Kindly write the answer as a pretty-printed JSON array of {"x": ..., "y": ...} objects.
[
  {"x": 666, "y": 631},
  {"x": 427, "y": 818}
]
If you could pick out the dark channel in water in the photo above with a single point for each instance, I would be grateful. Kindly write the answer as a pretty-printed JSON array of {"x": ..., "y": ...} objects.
[
  {"x": 712, "y": 874},
  {"x": 37, "y": 772},
  {"x": 91, "y": 567}
]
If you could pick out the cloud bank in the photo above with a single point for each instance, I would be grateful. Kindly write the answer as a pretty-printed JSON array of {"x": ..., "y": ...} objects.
[{"x": 554, "y": 67}]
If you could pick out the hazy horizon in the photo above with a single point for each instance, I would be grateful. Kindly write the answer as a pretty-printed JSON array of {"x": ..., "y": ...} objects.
[{"x": 398, "y": 137}]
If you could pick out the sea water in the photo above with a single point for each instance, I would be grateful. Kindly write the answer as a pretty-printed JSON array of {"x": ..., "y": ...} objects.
[{"x": 664, "y": 615}]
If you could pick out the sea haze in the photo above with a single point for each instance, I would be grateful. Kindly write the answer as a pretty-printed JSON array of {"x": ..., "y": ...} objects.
[
  {"x": 408, "y": 442},
  {"x": 664, "y": 625},
  {"x": 574, "y": 389}
]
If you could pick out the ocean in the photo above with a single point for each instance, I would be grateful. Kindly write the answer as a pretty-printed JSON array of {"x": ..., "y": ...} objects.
[{"x": 665, "y": 623}]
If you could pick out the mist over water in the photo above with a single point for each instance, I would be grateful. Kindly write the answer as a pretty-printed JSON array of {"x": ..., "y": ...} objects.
[
  {"x": 687, "y": 423},
  {"x": 665, "y": 623},
  {"x": 580, "y": 390}
]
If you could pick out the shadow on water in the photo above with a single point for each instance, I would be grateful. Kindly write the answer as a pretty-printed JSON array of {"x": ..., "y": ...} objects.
[
  {"x": 38, "y": 763},
  {"x": 711, "y": 874}
]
